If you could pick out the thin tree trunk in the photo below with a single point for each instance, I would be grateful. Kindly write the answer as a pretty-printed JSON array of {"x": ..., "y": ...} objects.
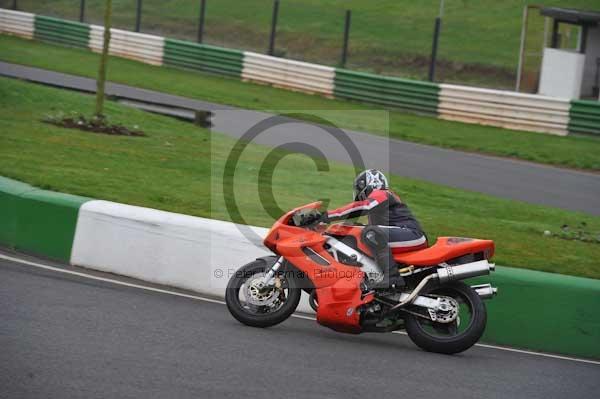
[{"x": 101, "y": 81}]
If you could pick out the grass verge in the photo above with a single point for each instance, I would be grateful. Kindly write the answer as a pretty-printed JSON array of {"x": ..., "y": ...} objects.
[
  {"x": 176, "y": 168},
  {"x": 572, "y": 151}
]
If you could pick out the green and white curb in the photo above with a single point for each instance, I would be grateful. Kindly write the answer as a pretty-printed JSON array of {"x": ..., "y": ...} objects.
[
  {"x": 533, "y": 310},
  {"x": 499, "y": 108}
]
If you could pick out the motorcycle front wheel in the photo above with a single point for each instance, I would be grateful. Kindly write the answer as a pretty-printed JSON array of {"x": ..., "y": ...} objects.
[
  {"x": 253, "y": 304},
  {"x": 456, "y": 336}
]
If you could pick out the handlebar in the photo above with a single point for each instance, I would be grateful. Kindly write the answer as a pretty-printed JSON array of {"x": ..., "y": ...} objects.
[{"x": 305, "y": 217}]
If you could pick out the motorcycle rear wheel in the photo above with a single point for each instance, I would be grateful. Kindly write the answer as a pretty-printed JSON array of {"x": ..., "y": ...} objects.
[
  {"x": 253, "y": 314},
  {"x": 447, "y": 338}
]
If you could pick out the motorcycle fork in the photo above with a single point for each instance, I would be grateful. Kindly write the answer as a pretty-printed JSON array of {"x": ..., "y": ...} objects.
[{"x": 269, "y": 276}]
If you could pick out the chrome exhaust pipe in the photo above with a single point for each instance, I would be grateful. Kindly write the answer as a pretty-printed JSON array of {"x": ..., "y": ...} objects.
[
  {"x": 447, "y": 274},
  {"x": 461, "y": 272},
  {"x": 485, "y": 291}
]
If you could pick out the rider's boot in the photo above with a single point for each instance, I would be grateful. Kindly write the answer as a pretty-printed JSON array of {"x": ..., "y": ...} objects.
[{"x": 391, "y": 276}]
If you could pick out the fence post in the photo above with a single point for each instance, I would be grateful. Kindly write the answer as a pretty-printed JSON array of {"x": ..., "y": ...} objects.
[
  {"x": 346, "y": 37},
  {"x": 273, "y": 27},
  {"x": 434, "y": 46},
  {"x": 82, "y": 11},
  {"x": 201, "y": 22},
  {"x": 15, "y": 5},
  {"x": 138, "y": 15}
]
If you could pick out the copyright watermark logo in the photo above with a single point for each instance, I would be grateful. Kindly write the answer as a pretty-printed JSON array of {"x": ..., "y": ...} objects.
[{"x": 277, "y": 162}]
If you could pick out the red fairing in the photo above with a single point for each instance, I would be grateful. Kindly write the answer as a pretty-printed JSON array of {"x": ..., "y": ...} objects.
[
  {"x": 338, "y": 286},
  {"x": 339, "y": 305},
  {"x": 444, "y": 249}
]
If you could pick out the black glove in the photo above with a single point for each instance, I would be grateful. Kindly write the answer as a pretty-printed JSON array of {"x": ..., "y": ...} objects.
[{"x": 324, "y": 218}]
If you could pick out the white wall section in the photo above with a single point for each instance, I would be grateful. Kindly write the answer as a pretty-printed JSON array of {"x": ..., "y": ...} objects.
[{"x": 160, "y": 247}]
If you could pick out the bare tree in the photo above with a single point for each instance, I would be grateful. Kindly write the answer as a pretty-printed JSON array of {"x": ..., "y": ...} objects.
[{"x": 101, "y": 81}]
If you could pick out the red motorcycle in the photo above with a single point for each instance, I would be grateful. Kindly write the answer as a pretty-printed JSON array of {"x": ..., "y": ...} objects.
[{"x": 439, "y": 312}]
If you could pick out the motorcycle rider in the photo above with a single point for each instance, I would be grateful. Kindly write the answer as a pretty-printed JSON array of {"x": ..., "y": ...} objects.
[{"x": 391, "y": 229}]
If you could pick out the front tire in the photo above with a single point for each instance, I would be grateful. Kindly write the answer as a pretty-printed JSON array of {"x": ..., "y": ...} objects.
[
  {"x": 449, "y": 339},
  {"x": 262, "y": 309}
]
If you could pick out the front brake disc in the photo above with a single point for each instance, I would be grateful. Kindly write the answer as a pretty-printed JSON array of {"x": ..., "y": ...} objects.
[{"x": 257, "y": 293}]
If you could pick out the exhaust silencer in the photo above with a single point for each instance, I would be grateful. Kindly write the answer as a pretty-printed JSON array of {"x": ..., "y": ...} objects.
[
  {"x": 485, "y": 291},
  {"x": 461, "y": 272}
]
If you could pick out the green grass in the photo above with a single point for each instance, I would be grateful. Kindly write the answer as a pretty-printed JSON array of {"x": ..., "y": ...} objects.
[
  {"x": 178, "y": 168},
  {"x": 479, "y": 42},
  {"x": 572, "y": 151}
]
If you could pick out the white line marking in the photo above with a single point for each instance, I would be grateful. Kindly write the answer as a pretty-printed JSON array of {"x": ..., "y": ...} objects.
[
  {"x": 108, "y": 280},
  {"x": 298, "y": 316}
]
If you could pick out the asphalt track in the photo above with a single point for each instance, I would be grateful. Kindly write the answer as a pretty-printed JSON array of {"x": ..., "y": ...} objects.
[
  {"x": 504, "y": 178},
  {"x": 67, "y": 336}
]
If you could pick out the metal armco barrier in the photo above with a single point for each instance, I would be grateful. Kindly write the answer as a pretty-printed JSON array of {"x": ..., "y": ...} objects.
[
  {"x": 584, "y": 117},
  {"x": 203, "y": 57},
  {"x": 136, "y": 46},
  {"x": 288, "y": 74},
  {"x": 388, "y": 91},
  {"x": 62, "y": 32},
  {"x": 17, "y": 23},
  {"x": 504, "y": 109}
]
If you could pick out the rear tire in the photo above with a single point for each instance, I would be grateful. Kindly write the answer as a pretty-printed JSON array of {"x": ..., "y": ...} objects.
[
  {"x": 257, "y": 319},
  {"x": 462, "y": 340}
]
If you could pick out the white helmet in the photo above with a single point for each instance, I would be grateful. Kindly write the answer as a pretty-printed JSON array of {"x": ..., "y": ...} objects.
[{"x": 367, "y": 181}]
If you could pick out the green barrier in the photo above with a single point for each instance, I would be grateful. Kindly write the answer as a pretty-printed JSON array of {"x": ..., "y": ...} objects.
[
  {"x": 534, "y": 310},
  {"x": 544, "y": 311},
  {"x": 203, "y": 57},
  {"x": 584, "y": 117},
  {"x": 422, "y": 97},
  {"x": 10, "y": 192},
  {"x": 61, "y": 31},
  {"x": 38, "y": 221}
]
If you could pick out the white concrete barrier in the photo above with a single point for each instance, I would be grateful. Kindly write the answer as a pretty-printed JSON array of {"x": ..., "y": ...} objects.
[
  {"x": 160, "y": 247},
  {"x": 17, "y": 23}
]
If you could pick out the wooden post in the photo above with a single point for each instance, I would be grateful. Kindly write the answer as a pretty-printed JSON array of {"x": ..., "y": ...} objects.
[{"x": 101, "y": 81}]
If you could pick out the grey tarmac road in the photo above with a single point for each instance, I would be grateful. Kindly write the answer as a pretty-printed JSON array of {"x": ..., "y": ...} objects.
[
  {"x": 65, "y": 336},
  {"x": 505, "y": 178}
]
